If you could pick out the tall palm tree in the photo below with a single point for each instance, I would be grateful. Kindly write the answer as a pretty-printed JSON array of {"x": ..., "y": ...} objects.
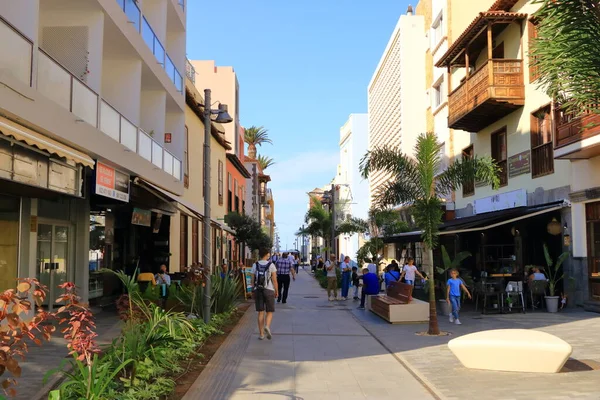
[
  {"x": 566, "y": 53},
  {"x": 264, "y": 162},
  {"x": 420, "y": 183},
  {"x": 256, "y": 136}
]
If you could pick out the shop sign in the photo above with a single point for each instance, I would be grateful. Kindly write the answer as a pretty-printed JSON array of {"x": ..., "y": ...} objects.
[
  {"x": 519, "y": 164},
  {"x": 141, "y": 217},
  {"x": 516, "y": 198},
  {"x": 111, "y": 183}
]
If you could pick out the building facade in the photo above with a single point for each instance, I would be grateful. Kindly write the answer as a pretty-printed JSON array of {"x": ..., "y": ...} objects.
[
  {"x": 353, "y": 189},
  {"x": 91, "y": 120},
  {"x": 395, "y": 93}
]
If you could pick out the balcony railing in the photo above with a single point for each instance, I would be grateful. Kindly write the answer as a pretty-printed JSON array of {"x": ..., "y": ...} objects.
[
  {"x": 490, "y": 93},
  {"x": 131, "y": 9},
  {"x": 182, "y": 4},
  {"x": 58, "y": 84},
  {"x": 571, "y": 129},
  {"x": 16, "y": 53},
  {"x": 190, "y": 71}
]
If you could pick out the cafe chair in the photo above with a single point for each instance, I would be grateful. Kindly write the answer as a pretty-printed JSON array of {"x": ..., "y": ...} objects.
[{"x": 537, "y": 289}]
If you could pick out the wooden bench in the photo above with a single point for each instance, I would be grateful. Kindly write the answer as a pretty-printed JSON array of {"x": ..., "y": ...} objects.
[
  {"x": 398, "y": 306},
  {"x": 515, "y": 350}
]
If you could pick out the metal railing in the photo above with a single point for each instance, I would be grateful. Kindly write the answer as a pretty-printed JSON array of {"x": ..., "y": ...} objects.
[
  {"x": 17, "y": 52},
  {"x": 190, "y": 71},
  {"x": 141, "y": 24},
  {"x": 58, "y": 84},
  {"x": 182, "y": 4}
]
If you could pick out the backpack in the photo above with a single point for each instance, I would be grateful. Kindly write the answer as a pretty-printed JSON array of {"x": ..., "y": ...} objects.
[{"x": 262, "y": 276}]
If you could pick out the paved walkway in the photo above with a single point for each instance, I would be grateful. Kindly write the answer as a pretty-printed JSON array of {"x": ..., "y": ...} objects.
[{"x": 319, "y": 351}]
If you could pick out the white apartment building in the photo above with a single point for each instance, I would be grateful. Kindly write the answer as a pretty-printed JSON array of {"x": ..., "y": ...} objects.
[
  {"x": 353, "y": 189},
  {"x": 396, "y": 95},
  {"x": 91, "y": 129}
]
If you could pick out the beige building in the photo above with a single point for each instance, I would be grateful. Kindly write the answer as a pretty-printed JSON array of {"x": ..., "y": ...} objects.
[
  {"x": 92, "y": 114},
  {"x": 395, "y": 93}
]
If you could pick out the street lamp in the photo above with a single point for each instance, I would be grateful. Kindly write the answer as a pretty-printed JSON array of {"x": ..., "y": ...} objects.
[{"x": 223, "y": 117}]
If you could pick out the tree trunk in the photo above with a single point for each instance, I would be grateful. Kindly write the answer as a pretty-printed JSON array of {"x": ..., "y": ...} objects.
[
  {"x": 252, "y": 151},
  {"x": 434, "y": 328}
]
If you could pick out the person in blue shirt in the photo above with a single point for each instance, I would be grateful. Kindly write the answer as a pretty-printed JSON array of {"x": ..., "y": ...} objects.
[
  {"x": 392, "y": 275},
  {"x": 370, "y": 286},
  {"x": 454, "y": 286}
]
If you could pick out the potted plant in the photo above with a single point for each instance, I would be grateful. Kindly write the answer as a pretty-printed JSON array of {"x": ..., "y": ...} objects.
[
  {"x": 554, "y": 277},
  {"x": 441, "y": 277}
]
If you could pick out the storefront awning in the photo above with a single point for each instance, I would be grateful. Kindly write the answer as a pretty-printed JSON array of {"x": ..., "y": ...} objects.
[
  {"x": 484, "y": 222},
  {"x": 33, "y": 138},
  {"x": 183, "y": 206}
]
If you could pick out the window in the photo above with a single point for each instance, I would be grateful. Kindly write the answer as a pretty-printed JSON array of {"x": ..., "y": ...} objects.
[
  {"x": 220, "y": 175},
  {"x": 499, "y": 154},
  {"x": 183, "y": 242},
  {"x": 438, "y": 30},
  {"x": 195, "y": 240},
  {"x": 533, "y": 34},
  {"x": 186, "y": 160},
  {"x": 542, "y": 153},
  {"x": 438, "y": 93},
  {"x": 237, "y": 199},
  {"x": 468, "y": 187},
  {"x": 229, "y": 195}
]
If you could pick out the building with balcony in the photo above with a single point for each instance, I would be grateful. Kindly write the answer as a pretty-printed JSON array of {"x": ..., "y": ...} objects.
[
  {"x": 92, "y": 108},
  {"x": 353, "y": 189},
  {"x": 494, "y": 101},
  {"x": 396, "y": 97},
  {"x": 268, "y": 219}
]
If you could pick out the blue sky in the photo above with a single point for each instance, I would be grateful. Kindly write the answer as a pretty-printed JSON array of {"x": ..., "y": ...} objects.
[{"x": 303, "y": 66}]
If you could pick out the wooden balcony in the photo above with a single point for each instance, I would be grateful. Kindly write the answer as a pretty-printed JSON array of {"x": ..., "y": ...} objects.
[
  {"x": 576, "y": 137},
  {"x": 495, "y": 90}
]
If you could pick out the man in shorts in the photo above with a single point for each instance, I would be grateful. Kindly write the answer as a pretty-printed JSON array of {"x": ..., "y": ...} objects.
[{"x": 264, "y": 282}]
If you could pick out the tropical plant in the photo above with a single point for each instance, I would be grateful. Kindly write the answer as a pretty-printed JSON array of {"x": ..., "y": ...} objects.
[
  {"x": 555, "y": 275},
  {"x": 450, "y": 264},
  {"x": 370, "y": 250},
  {"x": 255, "y": 136},
  {"x": 566, "y": 53},
  {"x": 264, "y": 162},
  {"x": 420, "y": 183},
  {"x": 248, "y": 231}
]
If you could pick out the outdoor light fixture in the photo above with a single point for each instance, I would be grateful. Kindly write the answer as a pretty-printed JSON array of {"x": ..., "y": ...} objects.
[
  {"x": 554, "y": 227},
  {"x": 223, "y": 116}
]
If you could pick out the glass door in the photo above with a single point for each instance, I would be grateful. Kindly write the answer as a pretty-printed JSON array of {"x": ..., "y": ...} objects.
[{"x": 52, "y": 258}]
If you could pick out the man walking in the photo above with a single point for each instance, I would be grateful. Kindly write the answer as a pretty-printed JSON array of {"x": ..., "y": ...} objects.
[
  {"x": 330, "y": 267},
  {"x": 284, "y": 267},
  {"x": 346, "y": 277},
  {"x": 264, "y": 283}
]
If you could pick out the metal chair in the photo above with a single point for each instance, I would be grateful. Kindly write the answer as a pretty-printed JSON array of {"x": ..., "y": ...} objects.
[{"x": 537, "y": 289}]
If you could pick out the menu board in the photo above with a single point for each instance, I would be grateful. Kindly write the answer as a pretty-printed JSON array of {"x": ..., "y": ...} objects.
[{"x": 248, "y": 279}]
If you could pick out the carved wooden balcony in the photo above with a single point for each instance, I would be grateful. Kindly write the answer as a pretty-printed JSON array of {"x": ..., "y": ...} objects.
[
  {"x": 576, "y": 137},
  {"x": 493, "y": 91}
]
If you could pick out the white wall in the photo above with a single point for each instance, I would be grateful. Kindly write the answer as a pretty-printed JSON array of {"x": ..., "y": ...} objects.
[
  {"x": 23, "y": 15},
  {"x": 121, "y": 86},
  {"x": 153, "y": 112}
]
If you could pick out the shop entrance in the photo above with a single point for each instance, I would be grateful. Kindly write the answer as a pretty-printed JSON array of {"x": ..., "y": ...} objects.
[{"x": 53, "y": 258}]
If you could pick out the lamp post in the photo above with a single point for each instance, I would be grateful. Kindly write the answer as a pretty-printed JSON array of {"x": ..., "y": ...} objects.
[{"x": 223, "y": 117}]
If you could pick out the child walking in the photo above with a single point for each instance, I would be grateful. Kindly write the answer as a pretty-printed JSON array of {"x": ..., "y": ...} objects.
[{"x": 454, "y": 286}]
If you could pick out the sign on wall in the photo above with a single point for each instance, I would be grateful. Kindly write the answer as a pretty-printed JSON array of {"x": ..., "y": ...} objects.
[
  {"x": 111, "y": 182},
  {"x": 519, "y": 164},
  {"x": 141, "y": 217},
  {"x": 516, "y": 198}
]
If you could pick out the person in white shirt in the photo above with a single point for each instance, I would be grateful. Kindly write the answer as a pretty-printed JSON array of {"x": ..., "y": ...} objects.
[
  {"x": 372, "y": 267},
  {"x": 346, "y": 277},
  {"x": 164, "y": 281},
  {"x": 409, "y": 271},
  {"x": 264, "y": 296},
  {"x": 331, "y": 278}
]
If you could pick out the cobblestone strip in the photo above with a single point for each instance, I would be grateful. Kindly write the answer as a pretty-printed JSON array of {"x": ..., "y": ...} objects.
[{"x": 214, "y": 382}]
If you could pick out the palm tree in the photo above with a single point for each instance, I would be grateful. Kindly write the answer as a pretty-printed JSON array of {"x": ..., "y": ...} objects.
[
  {"x": 255, "y": 136},
  {"x": 420, "y": 183},
  {"x": 566, "y": 53},
  {"x": 264, "y": 162}
]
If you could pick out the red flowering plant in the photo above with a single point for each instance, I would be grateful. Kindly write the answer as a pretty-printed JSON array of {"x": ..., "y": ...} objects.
[{"x": 15, "y": 309}]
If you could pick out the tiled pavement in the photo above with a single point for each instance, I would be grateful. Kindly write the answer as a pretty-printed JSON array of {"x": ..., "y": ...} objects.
[
  {"x": 50, "y": 355},
  {"x": 323, "y": 350},
  {"x": 318, "y": 351}
]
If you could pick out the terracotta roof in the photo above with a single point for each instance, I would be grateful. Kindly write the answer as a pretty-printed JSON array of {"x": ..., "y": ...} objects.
[
  {"x": 503, "y": 5},
  {"x": 238, "y": 165},
  {"x": 190, "y": 100},
  {"x": 264, "y": 177},
  {"x": 475, "y": 29}
]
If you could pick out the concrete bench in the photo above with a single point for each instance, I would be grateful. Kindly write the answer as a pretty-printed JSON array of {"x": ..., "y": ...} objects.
[
  {"x": 398, "y": 306},
  {"x": 515, "y": 350}
]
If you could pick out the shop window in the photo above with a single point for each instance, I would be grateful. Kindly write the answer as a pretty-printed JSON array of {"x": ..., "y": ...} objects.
[
  {"x": 533, "y": 34},
  {"x": 592, "y": 211},
  {"x": 186, "y": 160},
  {"x": 220, "y": 175},
  {"x": 499, "y": 154},
  {"x": 9, "y": 241},
  {"x": 183, "y": 243},
  {"x": 195, "y": 241},
  {"x": 468, "y": 187},
  {"x": 542, "y": 153}
]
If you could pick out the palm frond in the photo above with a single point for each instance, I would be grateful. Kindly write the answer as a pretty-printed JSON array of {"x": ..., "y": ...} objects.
[
  {"x": 429, "y": 160},
  {"x": 256, "y": 135},
  {"x": 396, "y": 191},
  {"x": 264, "y": 162},
  {"x": 480, "y": 169},
  {"x": 388, "y": 160}
]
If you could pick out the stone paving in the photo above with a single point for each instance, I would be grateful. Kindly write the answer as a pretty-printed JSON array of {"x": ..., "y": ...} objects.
[
  {"x": 318, "y": 351},
  {"x": 50, "y": 355}
]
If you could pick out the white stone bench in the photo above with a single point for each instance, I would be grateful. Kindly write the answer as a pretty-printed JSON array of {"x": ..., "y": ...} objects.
[{"x": 516, "y": 350}]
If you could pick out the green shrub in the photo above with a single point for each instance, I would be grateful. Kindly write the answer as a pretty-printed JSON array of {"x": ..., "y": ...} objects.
[
  {"x": 224, "y": 296},
  {"x": 321, "y": 276}
]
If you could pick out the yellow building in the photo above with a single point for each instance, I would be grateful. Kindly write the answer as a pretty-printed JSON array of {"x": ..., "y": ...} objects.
[{"x": 186, "y": 226}]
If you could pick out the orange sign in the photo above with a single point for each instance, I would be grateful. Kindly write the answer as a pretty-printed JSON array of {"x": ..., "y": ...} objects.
[
  {"x": 105, "y": 175},
  {"x": 111, "y": 182}
]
